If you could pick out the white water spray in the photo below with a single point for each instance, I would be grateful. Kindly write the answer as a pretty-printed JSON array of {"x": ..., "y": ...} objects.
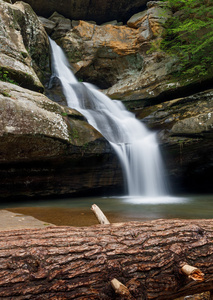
[{"x": 136, "y": 147}]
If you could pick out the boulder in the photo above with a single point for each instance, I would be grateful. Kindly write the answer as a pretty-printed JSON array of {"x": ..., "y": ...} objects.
[
  {"x": 47, "y": 149},
  {"x": 157, "y": 14},
  {"x": 48, "y": 25},
  {"x": 24, "y": 46},
  {"x": 147, "y": 83},
  {"x": 155, "y": 75},
  {"x": 62, "y": 25},
  {"x": 200, "y": 125},
  {"x": 102, "y": 54},
  {"x": 97, "y": 10}
]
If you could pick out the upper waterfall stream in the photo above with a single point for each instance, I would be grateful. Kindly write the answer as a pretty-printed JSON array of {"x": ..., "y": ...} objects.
[{"x": 136, "y": 146}]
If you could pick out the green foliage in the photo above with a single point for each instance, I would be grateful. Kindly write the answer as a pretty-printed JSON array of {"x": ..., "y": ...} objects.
[
  {"x": 64, "y": 114},
  {"x": 189, "y": 36},
  {"x": 4, "y": 76}
]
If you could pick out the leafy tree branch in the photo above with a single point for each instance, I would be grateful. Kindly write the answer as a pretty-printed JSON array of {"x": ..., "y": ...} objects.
[{"x": 189, "y": 36}]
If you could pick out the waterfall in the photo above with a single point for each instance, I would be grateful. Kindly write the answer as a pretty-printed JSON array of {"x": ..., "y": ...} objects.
[{"x": 135, "y": 145}]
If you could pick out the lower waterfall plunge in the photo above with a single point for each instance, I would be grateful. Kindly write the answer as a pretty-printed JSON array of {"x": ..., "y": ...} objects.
[{"x": 136, "y": 147}]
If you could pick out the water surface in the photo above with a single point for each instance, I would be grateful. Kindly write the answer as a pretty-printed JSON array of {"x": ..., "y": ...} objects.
[{"x": 77, "y": 211}]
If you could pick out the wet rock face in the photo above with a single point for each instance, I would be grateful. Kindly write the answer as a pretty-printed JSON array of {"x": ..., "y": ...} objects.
[
  {"x": 117, "y": 58},
  {"x": 97, "y": 10},
  {"x": 102, "y": 54},
  {"x": 24, "y": 46},
  {"x": 185, "y": 128},
  {"x": 114, "y": 57},
  {"x": 155, "y": 75},
  {"x": 47, "y": 149}
]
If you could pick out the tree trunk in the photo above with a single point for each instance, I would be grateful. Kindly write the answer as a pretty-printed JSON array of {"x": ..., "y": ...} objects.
[{"x": 79, "y": 263}]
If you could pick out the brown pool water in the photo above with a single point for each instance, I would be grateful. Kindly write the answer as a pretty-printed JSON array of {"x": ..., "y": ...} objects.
[{"x": 77, "y": 211}]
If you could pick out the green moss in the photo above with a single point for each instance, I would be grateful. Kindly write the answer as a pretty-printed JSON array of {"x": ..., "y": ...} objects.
[
  {"x": 64, "y": 114},
  {"x": 74, "y": 135},
  {"x": 5, "y": 94},
  {"x": 24, "y": 54},
  {"x": 5, "y": 76}
]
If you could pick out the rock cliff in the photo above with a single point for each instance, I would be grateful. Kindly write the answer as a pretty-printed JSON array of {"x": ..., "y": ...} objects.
[
  {"x": 46, "y": 149},
  {"x": 185, "y": 129},
  {"x": 24, "y": 46},
  {"x": 95, "y": 10},
  {"x": 49, "y": 149},
  {"x": 117, "y": 58}
]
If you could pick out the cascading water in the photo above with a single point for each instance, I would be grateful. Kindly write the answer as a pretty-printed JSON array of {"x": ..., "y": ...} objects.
[{"x": 136, "y": 147}]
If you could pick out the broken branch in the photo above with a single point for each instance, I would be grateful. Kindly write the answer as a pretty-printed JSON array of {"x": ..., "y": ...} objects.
[
  {"x": 120, "y": 288},
  {"x": 192, "y": 272},
  {"x": 99, "y": 215}
]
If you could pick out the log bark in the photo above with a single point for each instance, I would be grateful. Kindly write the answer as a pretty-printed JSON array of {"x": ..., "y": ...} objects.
[{"x": 79, "y": 263}]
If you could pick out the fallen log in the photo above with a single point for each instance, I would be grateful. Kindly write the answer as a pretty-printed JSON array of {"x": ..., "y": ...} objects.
[{"x": 80, "y": 263}]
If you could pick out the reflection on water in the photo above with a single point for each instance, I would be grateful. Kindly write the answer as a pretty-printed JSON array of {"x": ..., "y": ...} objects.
[
  {"x": 117, "y": 209},
  {"x": 154, "y": 200}
]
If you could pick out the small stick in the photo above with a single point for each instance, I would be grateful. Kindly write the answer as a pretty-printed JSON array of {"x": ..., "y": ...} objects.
[
  {"x": 99, "y": 215},
  {"x": 120, "y": 288},
  {"x": 192, "y": 272}
]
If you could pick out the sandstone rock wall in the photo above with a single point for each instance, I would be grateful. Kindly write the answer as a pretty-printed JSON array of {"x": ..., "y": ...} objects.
[
  {"x": 116, "y": 57},
  {"x": 102, "y": 54},
  {"x": 185, "y": 129},
  {"x": 47, "y": 149},
  {"x": 24, "y": 46}
]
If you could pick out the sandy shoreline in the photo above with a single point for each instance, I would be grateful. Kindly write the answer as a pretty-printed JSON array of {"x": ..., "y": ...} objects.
[
  {"x": 58, "y": 216},
  {"x": 11, "y": 221},
  {"x": 35, "y": 217},
  {"x": 40, "y": 217}
]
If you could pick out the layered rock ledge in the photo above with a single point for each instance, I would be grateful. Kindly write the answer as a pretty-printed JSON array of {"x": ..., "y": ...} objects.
[{"x": 47, "y": 149}]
